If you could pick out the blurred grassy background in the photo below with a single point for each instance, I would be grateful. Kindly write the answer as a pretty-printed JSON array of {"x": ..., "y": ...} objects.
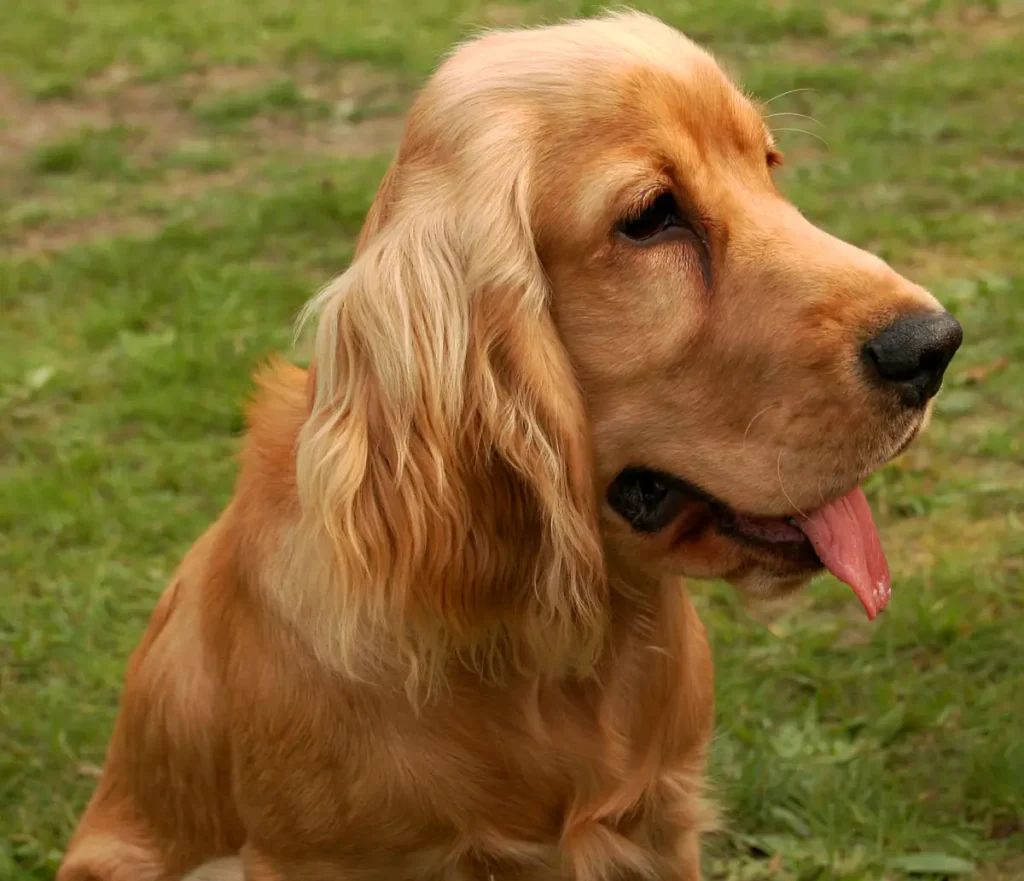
[{"x": 176, "y": 179}]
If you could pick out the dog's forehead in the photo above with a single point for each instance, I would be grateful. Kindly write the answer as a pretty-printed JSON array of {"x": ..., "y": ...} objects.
[
  {"x": 678, "y": 122},
  {"x": 592, "y": 105},
  {"x": 620, "y": 65},
  {"x": 628, "y": 75},
  {"x": 692, "y": 102}
]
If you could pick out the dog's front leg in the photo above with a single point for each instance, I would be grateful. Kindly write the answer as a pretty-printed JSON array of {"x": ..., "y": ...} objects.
[{"x": 164, "y": 803}]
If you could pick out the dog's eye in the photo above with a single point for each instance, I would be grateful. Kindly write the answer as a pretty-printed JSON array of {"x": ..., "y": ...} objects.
[{"x": 660, "y": 215}]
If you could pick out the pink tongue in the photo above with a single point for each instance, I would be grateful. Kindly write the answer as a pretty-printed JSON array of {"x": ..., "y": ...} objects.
[{"x": 845, "y": 538}]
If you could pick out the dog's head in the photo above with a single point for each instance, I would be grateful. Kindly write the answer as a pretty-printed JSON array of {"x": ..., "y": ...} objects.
[{"x": 584, "y": 326}]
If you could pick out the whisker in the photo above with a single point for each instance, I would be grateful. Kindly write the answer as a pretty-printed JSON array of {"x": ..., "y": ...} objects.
[
  {"x": 804, "y": 131},
  {"x": 782, "y": 486},
  {"x": 800, "y": 115},
  {"x": 790, "y": 92},
  {"x": 757, "y": 415}
]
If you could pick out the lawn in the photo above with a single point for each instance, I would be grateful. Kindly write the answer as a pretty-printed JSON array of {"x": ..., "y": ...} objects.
[{"x": 177, "y": 178}]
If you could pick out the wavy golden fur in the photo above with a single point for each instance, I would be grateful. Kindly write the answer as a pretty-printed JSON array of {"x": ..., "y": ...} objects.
[
  {"x": 419, "y": 643},
  {"x": 446, "y": 413}
]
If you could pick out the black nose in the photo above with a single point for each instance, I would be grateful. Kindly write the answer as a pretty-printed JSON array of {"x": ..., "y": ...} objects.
[{"x": 911, "y": 354}]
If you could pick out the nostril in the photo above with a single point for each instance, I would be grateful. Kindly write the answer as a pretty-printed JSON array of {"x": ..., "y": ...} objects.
[
  {"x": 933, "y": 361},
  {"x": 911, "y": 354},
  {"x": 892, "y": 359}
]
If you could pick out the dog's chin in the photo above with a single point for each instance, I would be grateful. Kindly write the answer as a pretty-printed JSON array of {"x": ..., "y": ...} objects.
[{"x": 766, "y": 584}]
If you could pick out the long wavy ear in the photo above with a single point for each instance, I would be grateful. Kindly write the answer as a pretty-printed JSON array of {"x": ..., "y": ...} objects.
[{"x": 446, "y": 459}]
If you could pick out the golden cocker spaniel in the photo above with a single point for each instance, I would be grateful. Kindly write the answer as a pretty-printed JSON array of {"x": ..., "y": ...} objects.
[{"x": 585, "y": 348}]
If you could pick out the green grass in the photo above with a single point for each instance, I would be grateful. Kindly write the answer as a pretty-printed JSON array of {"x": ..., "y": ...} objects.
[
  {"x": 281, "y": 96},
  {"x": 98, "y": 154},
  {"x": 176, "y": 179}
]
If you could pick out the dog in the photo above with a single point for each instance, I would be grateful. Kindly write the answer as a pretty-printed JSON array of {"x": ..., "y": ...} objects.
[{"x": 585, "y": 351}]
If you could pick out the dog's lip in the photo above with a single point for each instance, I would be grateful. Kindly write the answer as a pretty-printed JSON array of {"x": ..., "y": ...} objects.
[
  {"x": 768, "y": 530},
  {"x": 840, "y": 535},
  {"x": 718, "y": 506},
  {"x": 778, "y": 534},
  {"x": 695, "y": 510}
]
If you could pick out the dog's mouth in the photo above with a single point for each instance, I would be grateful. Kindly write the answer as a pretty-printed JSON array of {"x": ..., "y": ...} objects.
[{"x": 840, "y": 535}]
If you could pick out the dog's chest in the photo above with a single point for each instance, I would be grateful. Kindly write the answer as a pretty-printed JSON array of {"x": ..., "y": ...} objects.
[
  {"x": 518, "y": 774},
  {"x": 495, "y": 778}
]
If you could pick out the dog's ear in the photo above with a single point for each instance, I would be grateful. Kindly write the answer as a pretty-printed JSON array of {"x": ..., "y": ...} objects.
[
  {"x": 375, "y": 218},
  {"x": 446, "y": 456}
]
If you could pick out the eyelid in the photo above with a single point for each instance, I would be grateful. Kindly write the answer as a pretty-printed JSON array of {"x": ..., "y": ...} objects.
[
  {"x": 687, "y": 216},
  {"x": 645, "y": 199},
  {"x": 690, "y": 219}
]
